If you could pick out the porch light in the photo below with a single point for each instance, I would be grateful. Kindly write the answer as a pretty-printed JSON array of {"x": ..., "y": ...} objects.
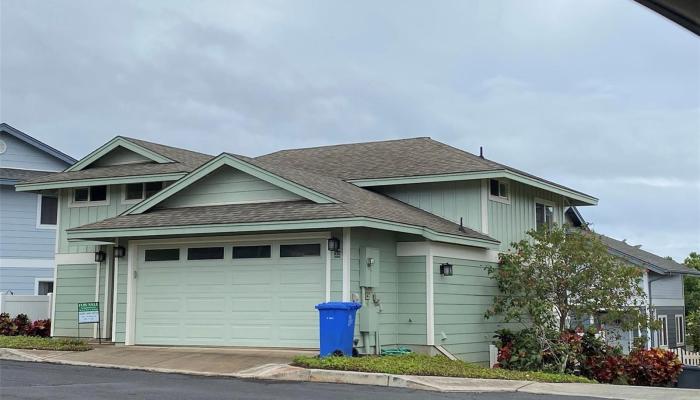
[
  {"x": 446, "y": 269},
  {"x": 119, "y": 251},
  {"x": 334, "y": 245},
  {"x": 100, "y": 256}
]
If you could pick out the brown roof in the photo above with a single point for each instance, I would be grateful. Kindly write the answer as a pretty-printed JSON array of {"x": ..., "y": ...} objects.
[
  {"x": 21, "y": 174},
  {"x": 183, "y": 161}
]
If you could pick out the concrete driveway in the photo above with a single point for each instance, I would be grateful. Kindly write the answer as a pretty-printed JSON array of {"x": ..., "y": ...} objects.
[{"x": 186, "y": 359}]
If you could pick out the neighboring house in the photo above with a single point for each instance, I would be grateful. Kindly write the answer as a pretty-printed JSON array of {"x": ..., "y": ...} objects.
[
  {"x": 662, "y": 282},
  {"x": 27, "y": 220},
  {"x": 183, "y": 248}
]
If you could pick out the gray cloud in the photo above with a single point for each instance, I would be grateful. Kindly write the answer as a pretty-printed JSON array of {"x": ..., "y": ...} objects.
[{"x": 603, "y": 97}]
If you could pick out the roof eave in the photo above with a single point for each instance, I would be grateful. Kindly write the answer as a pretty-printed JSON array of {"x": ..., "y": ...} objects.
[
  {"x": 28, "y": 187},
  {"x": 576, "y": 198},
  {"x": 82, "y": 234},
  {"x": 37, "y": 143}
]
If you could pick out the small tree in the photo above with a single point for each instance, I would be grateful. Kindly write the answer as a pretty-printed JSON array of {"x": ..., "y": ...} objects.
[
  {"x": 691, "y": 285},
  {"x": 559, "y": 275}
]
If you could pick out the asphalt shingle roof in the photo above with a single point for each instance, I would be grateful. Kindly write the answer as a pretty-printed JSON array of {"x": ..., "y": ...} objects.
[
  {"x": 184, "y": 161},
  {"x": 21, "y": 174},
  {"x": 638, "y": 256}
]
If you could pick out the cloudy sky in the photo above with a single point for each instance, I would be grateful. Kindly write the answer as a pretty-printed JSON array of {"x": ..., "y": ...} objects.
[{"x": 602, "y": 96}]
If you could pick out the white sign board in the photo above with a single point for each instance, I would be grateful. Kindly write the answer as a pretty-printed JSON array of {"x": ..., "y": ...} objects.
[{"x": 88, "y": 313}]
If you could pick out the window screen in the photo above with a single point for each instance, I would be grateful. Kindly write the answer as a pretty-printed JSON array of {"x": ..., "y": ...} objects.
[
  {"x": 300, "y": 250},
  {"x": 544, "y": 215},
  {"x": 205, "y": 253},
  {"x": 252, "y": 251},
  {"x": 134, "y": 191},
  {"x": 152, "y": 188},
  {"x": 81, "y": 194},
  {"x": 45, "y": 287},
  {"x": 98, "y": 193},
  {"x": 49, "y": 210},
  {"x": 163, "y": 255}
]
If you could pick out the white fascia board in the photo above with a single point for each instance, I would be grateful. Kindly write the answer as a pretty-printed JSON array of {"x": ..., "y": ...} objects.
[
  {"x": 27, "y": 187},
  {"x": 446, "y": 250},
  {"x": 113, "y": 144}
]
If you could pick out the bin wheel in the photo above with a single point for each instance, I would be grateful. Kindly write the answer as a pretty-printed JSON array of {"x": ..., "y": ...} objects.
[{"x": 338, "y": 353}]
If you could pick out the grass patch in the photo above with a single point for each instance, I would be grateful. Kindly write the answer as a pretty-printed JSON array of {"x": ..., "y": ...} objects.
[
  {"x": 418, "y": 364},
  {"x": 42, "y": 343}
]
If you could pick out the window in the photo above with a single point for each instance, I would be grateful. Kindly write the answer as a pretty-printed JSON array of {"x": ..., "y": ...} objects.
[
  {"x": 92, "y": 194},
  {"x": 544, "y": 214},
  {"x": 139, "y": 191},
  {"x": 663, "y": 331},
  {"x": 48, "y": 210},
  {"x": 499, "y": 190},
  {"x": 163, "y": 255},
  {"x": 680, "y": 329},
  {"x": 44, "y": 287},
  {"x": 252, "y": 251},
  {"x": 300, "y": 250},
  {"x": 205, "y": 253}
]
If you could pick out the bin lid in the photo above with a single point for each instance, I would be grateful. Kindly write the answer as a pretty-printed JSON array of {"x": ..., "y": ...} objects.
[{"x": 338, "y": 305}]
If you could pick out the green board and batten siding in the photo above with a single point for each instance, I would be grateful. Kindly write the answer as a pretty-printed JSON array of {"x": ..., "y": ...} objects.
[
  {"x": 460, "y": 302},
  {"x": 227, "y": 185},
  {"x": 450, "y": 200},
  {"x": 74, "y": 284}
]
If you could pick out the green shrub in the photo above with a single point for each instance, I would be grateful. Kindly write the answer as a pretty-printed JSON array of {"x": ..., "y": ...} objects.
[{"x": 418, "y": 364}]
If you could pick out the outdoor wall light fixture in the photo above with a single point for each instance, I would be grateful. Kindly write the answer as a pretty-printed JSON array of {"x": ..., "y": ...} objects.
[
  {"x": 334, "y": 245},
  {"x": 446, "y": 269},
  {"x": 119, "y": 251},
  {"x": 100, "y": 256}
]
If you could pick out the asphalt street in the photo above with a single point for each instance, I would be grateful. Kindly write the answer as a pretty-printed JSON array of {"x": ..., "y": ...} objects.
[{"x": 27, "y": 380}]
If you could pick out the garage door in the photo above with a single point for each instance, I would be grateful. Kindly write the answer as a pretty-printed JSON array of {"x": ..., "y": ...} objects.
[{"x": 230, "y": 294}]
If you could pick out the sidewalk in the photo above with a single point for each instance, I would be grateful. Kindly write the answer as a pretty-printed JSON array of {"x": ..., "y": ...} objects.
[{"x": 274, "y": 365}]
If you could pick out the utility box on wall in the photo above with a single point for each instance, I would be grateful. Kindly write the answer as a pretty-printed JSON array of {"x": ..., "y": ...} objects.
[{"x": 369, "y": 267}]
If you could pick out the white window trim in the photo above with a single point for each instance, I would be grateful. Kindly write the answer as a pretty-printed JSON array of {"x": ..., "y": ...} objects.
[
  {"x": 504, "y": 200},
  {"x": 550, "y": 203},
  {"x": 132, "y": 201},
  {"x": 658, "y": 334},
  {"x": 680, "y": 340},
  {"x": 39, "y": 225},
  {"x": 88, "y": 203},
  {"x": 39, "y": 280}
]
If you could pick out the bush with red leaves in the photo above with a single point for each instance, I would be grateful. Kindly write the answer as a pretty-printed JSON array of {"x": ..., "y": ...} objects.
[{"x": 654, "y": 367}]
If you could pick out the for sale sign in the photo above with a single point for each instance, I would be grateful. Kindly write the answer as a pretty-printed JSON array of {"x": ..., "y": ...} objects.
[{"x": 89, "y": 313}]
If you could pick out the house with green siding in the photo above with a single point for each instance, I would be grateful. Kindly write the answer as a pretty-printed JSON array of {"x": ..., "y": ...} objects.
[{"x": 184, "y": 248}]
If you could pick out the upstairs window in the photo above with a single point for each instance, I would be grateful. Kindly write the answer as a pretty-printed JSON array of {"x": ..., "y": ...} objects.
[
  {"x": 544, "y": 214},
  {"x": 663, "y": 331},
  {"x": 139, "y": 191},
  {"x": 92, "y": 194},
  {"x": 499, "y": 190},
  {"x": 48, "y": 211},
  {"x": 680, "y": 330}
]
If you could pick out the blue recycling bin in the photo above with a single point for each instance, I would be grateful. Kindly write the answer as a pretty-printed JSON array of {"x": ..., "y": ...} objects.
[{"x": 337, "y": 327}]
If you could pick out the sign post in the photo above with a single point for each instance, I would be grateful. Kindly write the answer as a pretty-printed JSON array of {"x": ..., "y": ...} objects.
[{"x": 89, "y": 313}]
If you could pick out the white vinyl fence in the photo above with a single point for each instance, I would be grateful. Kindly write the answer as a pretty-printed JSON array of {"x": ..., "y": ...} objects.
[
  {"x": 493, "y": 355},
  {"x": 688, "y": 357},
  {"x": 36, "y": 307}
]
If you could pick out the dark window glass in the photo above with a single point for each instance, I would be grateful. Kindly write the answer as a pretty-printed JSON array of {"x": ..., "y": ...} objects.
[
  {"x": 205, "y": 253},
  {"x": 134, "y": 191},
  {"x": 544, "y": 215},
  {"x": 163, "y": 255},
  {"x": 49, "y": 210},
  {"x": 494, "y": 187},
  {"x": 98, "y": 193},
  {"x": 81, "y": 194},
  {"x": 252, "y": 251},
  {"x": 45, "y": 288},
  {"x": 503, "y": 190},
  {"x": 153, "y": 188},
  {"x": 300, "y": 250}
]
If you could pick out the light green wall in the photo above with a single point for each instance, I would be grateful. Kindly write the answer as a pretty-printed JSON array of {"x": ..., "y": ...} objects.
[
  {"x": 228, "y": 185},
  {"x": 460, "y": 303},
  {"x": 509, "y": 222},
  {"x": 450, "y": 200},
  {"x": 71, "y": 217},
  {"x": 120, "y": 296},
  {"x": 74, "y": 284},
  {"x": 118, "y": 156}
]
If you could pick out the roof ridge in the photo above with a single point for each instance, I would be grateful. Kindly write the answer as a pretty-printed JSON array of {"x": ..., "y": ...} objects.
[{"x": 347, "y": 144}]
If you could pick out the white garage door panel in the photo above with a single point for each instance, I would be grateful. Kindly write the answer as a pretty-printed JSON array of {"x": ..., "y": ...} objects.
[{"x": 224, "y": 303}]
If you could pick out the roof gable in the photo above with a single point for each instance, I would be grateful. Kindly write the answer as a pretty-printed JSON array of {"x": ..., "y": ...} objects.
[
  {"x": 235, "y": 162},
  {"x": 228, "y": 185},
  {"x": 118, "y": 144},
  {"x": 37, "y": 144}
]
